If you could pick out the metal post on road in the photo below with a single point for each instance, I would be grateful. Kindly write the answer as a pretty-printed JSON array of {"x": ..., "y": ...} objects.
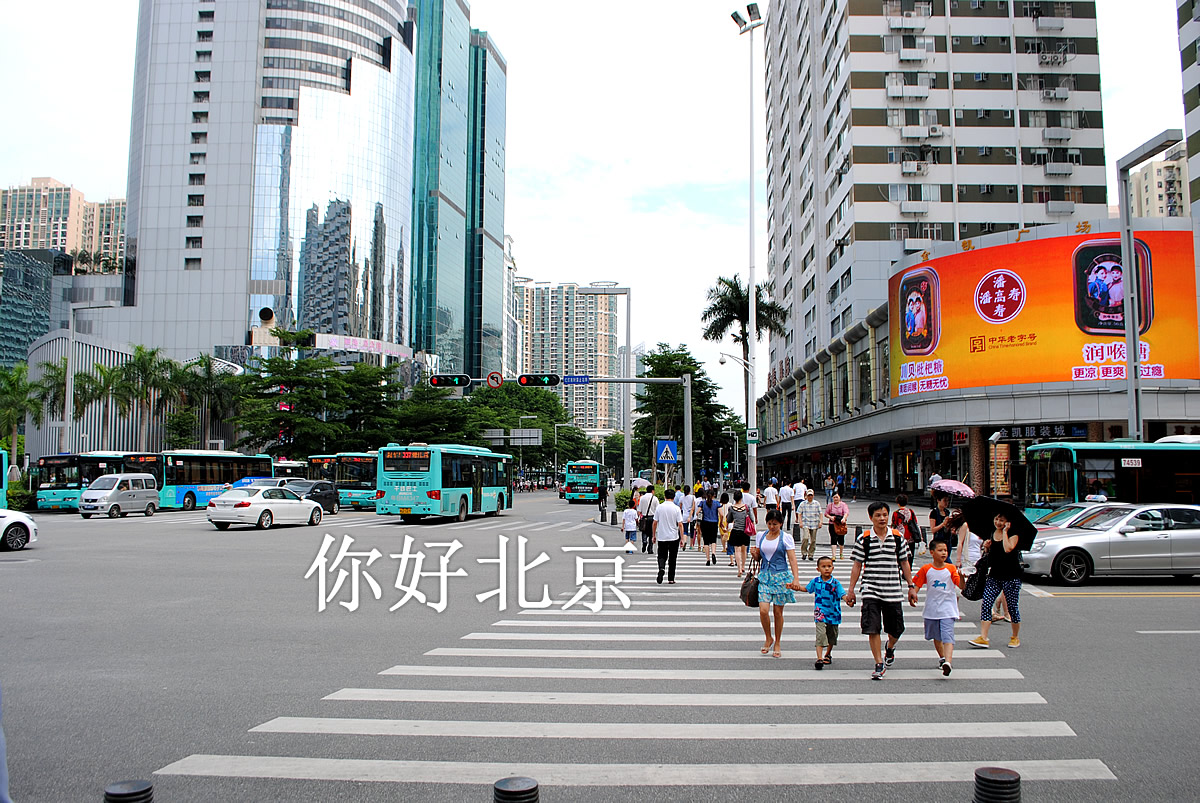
[{"x": 687, "y": 430}]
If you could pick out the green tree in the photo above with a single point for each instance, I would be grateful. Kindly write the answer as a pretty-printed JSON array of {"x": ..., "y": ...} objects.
[
  {"x": 108, "y": 386},
  {"x": 212, "y": 392},
  {"x": 729, "y": 310},
  {"x": 372, "y": 395},
  {"x": 429, "y": 415},
  {"x": 18, "y": 400},
  {"x": 153, "y": 380},
  {"x": 52, "y": 396},
  {"x": 613, "y": 453},
  {"x": 503, "y": 408},
  {"x": 179, "y": 432}
]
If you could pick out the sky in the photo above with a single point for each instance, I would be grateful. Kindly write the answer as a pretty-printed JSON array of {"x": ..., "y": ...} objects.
[{"x": 628, "y": 132}]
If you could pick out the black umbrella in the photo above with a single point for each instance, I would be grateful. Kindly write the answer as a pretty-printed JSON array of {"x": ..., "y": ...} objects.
[{"x": 981, "y": 513}]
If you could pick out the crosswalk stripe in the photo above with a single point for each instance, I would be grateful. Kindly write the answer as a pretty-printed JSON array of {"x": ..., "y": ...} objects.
[
  {"x": 510, "y": 525},
  {"x": 749, "y": 622},
  {"x": 626, "y": 699},
  {"x": 624, "y": 673},
  {"x": 719, "y": 638},
  {"x": 469, "y": 526},
  {"x": 579, "y": 526},
  {"x": 550, "y": 526},
  {"x": 658, "y": 730},
  {"x": 707, "y": 655},
  {"x": 631, "y": 775}
]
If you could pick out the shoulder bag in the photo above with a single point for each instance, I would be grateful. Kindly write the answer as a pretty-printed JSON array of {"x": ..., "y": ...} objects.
[
  {"x": 973, "y": 588},
  {"x": 750, "y": 528},
  {"x": 749, "y": 589}
]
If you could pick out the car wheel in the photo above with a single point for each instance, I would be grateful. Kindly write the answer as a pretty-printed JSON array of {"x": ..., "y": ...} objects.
[
  {"x": 315, "y": 518},
  {"x": 15, "y": 537},
  {"x": 189, "y": 502},
  {"x": 149, "y": 510},
  {"x": 114, "y": 511},
  {"x": 221, "y": 525},
  {"x": 265, "y": 520},
  {"x": 462, "y": 509},
  {"x": 333, "y": 511},
  {"x": 1072, "y": 568},
  {"x": 86, "y": 515}
]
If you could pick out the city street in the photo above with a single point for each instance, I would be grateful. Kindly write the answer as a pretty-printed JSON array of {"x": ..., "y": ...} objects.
[{"x": 163, "y": 649}]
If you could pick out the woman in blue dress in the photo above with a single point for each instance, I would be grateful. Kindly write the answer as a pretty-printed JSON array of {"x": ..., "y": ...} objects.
[{"x": 776, "y": 578}]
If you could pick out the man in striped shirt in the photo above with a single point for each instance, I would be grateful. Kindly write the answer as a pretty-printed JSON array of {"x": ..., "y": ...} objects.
[{"x": 881, "y": 559}]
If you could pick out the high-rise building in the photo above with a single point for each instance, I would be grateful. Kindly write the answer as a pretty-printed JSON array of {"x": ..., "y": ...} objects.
[
  {"x": 270, "y": 166},
  {"x": 44, "y": 214},
  {"x": 893, "y": 124},
  {"x": 458, "y": 191},
  {"x": 1188, "y": 12},
  {"x": 105, "y": 234},
  {"x": 513, "y": 329},
  {"x": 1160, "y": 188},
  {"x": 571, "y": 330}
]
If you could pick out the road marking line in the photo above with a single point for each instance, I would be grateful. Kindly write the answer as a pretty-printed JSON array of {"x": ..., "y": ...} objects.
[
  {"x": 751, "y": 622},
  {"x": 1188, "y": 594},
  {"x": 718, "y": 655},
  {"x": 579, "y": 526},
  {"x": 546, "y": 527},
  {"x": 698, "y": 613},
  {"x": 471, "y": 526},
  {"x": 719, "y": 638},
  {"x": 688, "y": 700},
  {"x": 498, "y": 526},
  {"x": 626, "y": 672},
  {"x": 657, "y": 730},
  {"x": 1160, "y": 632},
  {"x": 625, "y": 775},
  {"x": 1034, "y": 590}
]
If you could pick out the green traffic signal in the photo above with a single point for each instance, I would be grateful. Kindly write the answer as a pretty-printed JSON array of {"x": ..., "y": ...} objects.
[
  {"x": 449, "y": 380},
  {"x": 538, "y": 380}
]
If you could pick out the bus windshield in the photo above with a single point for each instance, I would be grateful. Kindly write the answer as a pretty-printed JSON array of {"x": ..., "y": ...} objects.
[
  {"x": 58, "y": 474},
  {"x": 1050, "y": 477},
  {"x": 355, "y": 472}
]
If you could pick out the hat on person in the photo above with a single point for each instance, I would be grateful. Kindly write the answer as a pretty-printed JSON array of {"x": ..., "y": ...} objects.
[{"x": 810, "y": 492}]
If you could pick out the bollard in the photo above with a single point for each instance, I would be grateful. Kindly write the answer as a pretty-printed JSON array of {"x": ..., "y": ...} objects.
[
  {"x": 515, "y": 790},
  {"x": 129, "y": 792},
  {"x": 997, "y": 785},
  {"x": 613, "y": 518}
]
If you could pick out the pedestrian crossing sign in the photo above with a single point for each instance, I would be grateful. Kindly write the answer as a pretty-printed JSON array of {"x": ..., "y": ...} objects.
[{"x": 666, "y": 451}]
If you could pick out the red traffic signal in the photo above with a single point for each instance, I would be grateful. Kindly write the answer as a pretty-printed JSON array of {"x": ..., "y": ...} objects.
[
  {"x": 538, "y": 380},
  {"x": 450, "y": 380}
]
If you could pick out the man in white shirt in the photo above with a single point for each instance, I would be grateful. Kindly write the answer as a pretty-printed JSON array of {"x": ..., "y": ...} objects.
[
  {"x": 771, "y": 497},
  {"x": 687, "y": 509},
  {"x": 786, "y": 494},
  {"x": 668, "y": 530},
  {"x": 751, "y": 500},
  {"x": 799, "y": 492},
  {"x": 646, "y": 507}
]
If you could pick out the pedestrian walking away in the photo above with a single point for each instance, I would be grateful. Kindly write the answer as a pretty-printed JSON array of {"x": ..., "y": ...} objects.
[
  {"x": 668, "y": 531},
  {"x": 828, "y": 490},
  {"x": 941, "y": 602},
  {"x": 808, "y": 520},
  {"x": 738, "y": 515},
  {"x": 776, "y": 579},
  {"x": 854, "y": 488},
  {"x": 904, "y": 521},
  {"x": 710, "y": 515},
  {"x": 837, "y": 513},
  {"x": 687, "y": 507},
  {"x": 1004, "y": 574},
  {"x": 647, "y": 506},
  {"x": 771, "y": 497},
  {"x": 723, "y": 527},
  {"x": 629, "y": 523},
  {"x": 828, "y": 594},
  {"x": 786, "y": 497},
  {"x": 881, "y": 561}
]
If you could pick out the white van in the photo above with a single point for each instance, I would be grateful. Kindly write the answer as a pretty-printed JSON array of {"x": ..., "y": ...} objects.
[{"x": 119, "y": 495}]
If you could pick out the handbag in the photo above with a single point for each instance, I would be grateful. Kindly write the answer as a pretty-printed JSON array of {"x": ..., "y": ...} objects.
[
  {"x": 973, "y": 588},
  {"x": 840, "y": 527},
  {"x": 750, "y": 528},
  {"x": 749, "y": 589}
]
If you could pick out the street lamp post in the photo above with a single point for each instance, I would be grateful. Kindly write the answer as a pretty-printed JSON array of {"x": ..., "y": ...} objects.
[
  {"x": 69, "y": 400},
  {"x": 1133, "y": 276},
  {"x": 556, "y": 426},
  {"x": 751, "y": 448},
  {"x": 752, "y": 322}
]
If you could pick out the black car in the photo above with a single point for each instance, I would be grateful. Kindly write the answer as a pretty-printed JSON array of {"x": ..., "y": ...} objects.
[{"x": 322, "y": 492}]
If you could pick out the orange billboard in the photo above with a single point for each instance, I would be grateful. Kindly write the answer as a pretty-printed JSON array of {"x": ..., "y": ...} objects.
[{"x": 1049, "y": 310}]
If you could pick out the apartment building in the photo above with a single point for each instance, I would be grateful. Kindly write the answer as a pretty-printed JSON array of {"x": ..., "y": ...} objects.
[
  {"x": 1188, "y": 12},
  {"x": 1160, "y": 188},
  {"x": 896, "y": 124}
]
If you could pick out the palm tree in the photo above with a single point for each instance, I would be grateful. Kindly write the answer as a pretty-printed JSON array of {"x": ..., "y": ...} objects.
[
  {"x": 18, "y": 399},
  {"x": 211, "y": 388},
  {"x": 151, "y": 380},
  {"x": 729, "y": 309},
  {"x": 107, "y": 386},
  {"x": 52, "y": 396}
]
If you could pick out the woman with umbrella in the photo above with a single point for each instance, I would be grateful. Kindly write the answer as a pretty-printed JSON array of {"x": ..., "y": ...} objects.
[{"x": 1011, "y": 533}]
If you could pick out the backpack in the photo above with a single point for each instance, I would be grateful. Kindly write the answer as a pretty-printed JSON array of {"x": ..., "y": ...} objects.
[
  {"x": 901, "y": 549},
  {"x": 912, "y": 530}
]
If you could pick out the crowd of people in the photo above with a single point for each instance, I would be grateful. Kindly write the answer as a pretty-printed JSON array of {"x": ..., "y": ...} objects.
[{"x": 712, "y": 519}]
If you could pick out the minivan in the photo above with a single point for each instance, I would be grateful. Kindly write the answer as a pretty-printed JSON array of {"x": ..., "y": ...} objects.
[{"x": 119, "y": 495}]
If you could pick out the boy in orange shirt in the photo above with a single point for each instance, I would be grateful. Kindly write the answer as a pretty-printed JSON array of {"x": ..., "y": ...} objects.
[{"x": 941, "y": 602}]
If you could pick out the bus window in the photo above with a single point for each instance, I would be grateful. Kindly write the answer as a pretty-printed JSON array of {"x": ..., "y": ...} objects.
[{"x": 1099, "y": 476}]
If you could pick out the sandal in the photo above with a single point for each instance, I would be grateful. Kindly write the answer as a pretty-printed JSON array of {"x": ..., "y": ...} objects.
[
  {"x": 827, "y": 660},
  {"x": 777, "y": 653}
]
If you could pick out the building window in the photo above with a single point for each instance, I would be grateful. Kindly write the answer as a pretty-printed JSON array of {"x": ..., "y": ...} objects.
[
  {"x": 197, "y": 158},
  {"x": 203, "y": 55},
  {"x": 195, "y": 221},
  {"x": 203, "y": 76},
  {"x": 206, "y": 16},
  {"x": 196, "y": 179},
  {"x": 204, "y": 36},
  {"x": 195, "y": 200},
  {"x": 199, "y": 117},
  {"x": 193, "y": 242},
  {"x": 199, "y": 137},
  {"x": 191, "y": 263},
  {"x": 200, "y": 97}
]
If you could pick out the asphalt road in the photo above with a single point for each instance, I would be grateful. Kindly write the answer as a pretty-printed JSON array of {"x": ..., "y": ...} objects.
[{"x": 163, "y": 649}]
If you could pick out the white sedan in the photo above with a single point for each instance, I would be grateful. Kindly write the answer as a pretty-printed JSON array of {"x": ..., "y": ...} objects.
[
  {"x": 17, "y": 530},
  {"x": 262, "y": 507}
]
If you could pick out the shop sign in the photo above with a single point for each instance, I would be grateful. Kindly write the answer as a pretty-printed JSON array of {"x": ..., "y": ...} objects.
[
  {"x": 928, "y": 441},
  {"x": 864, "y": 450},
  {"x": 1048, "y": 431},
  {"x": 960, "y": 437}
]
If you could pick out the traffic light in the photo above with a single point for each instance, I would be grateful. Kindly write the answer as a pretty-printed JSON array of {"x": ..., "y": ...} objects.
[
  {"x": 450, "y": 380},
  {"x": 537, "y": 380},
  {"x": 725, "y": 466}
]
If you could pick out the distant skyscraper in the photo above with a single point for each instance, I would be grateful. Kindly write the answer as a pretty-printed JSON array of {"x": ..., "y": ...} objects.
[
  {"x": 1160, "y": 188},
  {"x": 251, "y": 119},
  {"x": 458, "y": 191},
  {"x": 1188, "y": 16}
]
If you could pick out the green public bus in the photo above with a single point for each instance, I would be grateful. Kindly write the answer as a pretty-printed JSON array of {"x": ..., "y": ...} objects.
[
  {"x": 586, "y": 480},
  {"x": 1059, "y": 473},
  {"x": 442, "y": 480},
  {"x": 61, "y": 478},
  {"x": 352, "y": 473}
]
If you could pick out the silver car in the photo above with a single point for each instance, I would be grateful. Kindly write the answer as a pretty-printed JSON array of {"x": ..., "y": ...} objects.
[
  {"x": 1120, "y": 539},
  {"x": 1065, "y": 516}
]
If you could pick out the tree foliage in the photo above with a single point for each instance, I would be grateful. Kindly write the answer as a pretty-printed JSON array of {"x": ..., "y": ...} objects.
[{"x": 728, "y": 311}]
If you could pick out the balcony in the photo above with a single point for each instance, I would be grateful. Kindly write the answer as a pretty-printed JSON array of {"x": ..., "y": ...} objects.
[
  {"x": 914, "y": 132},
  {"x": 1060, "y": 207},
  {"x": 913, "y": 54},
  {"x": 1056, "y": 134},
  {"x": 1058, "y": 169},
  {"x": 1056, "y": 93},
  {"x": 909, "y": 21},
  {"x": 914, "y": 168},
  {"x": 917, "y": 243},
  {"x": 1050, "y": 23},
  {"x": 907, "y": 91},
  {"x": 914, "y": 207}
]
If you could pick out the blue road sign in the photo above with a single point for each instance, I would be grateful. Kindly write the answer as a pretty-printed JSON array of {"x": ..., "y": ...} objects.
[
  {"x": 666, "y": 452},
  {"x": 576, "y": 379}
]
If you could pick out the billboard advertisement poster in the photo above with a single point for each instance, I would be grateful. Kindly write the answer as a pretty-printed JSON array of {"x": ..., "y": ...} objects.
[{"x": 1050, "y": 310}]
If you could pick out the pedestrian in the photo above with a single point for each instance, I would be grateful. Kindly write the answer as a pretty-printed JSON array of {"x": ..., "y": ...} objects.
[
  {"x": 786, "y": 496},
  {"x": 776, "y": 578},
  {"x": 603, "y": 491},
  {"x": 687, "y": 508},
  {"x": 678, "y": 497},
  {"x": 771, "y": 497},
  {"x": 840, "y": 485},
  {"x": 938, "y": 517},
  {"x": 723, "y": 526},
  {"x": 828, "y": 489},
  {"x": 837, "y": 513},
  {"x": 709, "y": 525},
  {"x": 647, "y": 506},
  {"x": 881, "y": 561},
  {"x": 629, "y": 523},
  {"x": 668, "y": 531},
  {"x": 739, "y": 514},
  {"x": 1004, "y": 574},
  {"x": 750, "y": 498},
  {"x": 941, "y": 602},
  {"x": 808, "y": 520},
  {"x": 905, "y": 522},
  {"x": 854, "y": 488},
  {"x": 827, "y": 593}
]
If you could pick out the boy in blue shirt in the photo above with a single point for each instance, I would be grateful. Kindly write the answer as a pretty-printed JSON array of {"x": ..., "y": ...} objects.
[{"x": 827, "y": 610}]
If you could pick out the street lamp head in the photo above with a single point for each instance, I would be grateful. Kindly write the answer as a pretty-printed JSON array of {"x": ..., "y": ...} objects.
[
  {"x": 739, "y": 19},
  {"x": 752, "y": 10},
  {"x": 722, "y": 361}
]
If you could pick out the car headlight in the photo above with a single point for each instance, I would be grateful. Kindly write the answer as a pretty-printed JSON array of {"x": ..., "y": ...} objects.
[{"x": 1037, "y": 546}]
